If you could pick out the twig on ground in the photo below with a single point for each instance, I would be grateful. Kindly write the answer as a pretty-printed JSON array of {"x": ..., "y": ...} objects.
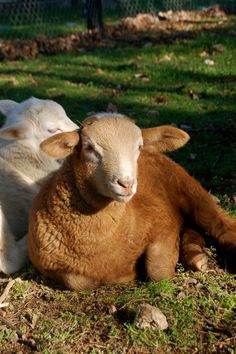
[
  {"x": 10, "y": 325},
  {"x": 8, "y": 288}
]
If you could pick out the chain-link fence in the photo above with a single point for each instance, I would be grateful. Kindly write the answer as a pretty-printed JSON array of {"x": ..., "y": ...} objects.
[{"x": 52, "y": 18}]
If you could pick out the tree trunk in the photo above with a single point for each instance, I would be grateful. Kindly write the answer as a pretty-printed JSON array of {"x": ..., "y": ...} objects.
[{"x": 94, "y": 15}]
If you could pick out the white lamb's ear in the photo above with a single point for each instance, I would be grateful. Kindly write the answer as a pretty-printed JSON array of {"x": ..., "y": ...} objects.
[
  {"x": 7, "y": 105},
  {"x": 164, "y": 138},
  {"x": 20, "y": 130},
  {"x": 60, "y": 145}
]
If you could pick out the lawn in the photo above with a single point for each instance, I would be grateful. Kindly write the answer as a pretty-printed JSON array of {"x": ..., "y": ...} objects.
[{"x": 153, "y": 83}]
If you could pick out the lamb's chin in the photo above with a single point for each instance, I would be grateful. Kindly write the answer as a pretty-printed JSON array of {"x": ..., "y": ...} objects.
[{"x": 122, "y": 198}]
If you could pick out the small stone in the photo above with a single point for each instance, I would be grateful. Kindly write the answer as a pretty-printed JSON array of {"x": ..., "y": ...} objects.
[
  {"x": 209, "y": 62},
  {"x": 148, "y": 316},
  {"x": 112, "y": 309}
]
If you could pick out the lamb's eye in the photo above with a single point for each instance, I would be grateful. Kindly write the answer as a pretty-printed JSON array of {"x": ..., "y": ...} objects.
[
  {"x": 54, "y": 131},
  {"x": 89, "y": 148}
]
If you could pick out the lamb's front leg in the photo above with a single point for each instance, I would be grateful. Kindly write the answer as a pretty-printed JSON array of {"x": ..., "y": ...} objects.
[
  {"x": 74, "y": 281},
  {"x": 13, "y": 254},
  {"x": 161, "y": 257}
]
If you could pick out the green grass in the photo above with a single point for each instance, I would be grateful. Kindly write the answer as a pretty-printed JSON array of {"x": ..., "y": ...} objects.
[
  {"x": 33, "y": 22},
  {"x": 199, "y": 307}
]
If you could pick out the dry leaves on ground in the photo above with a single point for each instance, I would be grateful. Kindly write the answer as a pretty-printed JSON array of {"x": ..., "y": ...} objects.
[{"x": 165, "y": 26}]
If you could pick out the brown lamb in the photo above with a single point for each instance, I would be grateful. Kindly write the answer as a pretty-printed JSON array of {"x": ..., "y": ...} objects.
[{"x": 116, "y": 198}]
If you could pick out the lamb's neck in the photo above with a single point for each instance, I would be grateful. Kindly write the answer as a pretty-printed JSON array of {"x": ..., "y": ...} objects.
[
  {"x": 92, "y": 198},
  {"x": 80, "y": 195},
  {"x": 34, "y": 164}
]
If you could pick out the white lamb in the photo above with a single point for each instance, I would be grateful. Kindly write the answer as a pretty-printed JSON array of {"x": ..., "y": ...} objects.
[{"x": 23, "y": 169}]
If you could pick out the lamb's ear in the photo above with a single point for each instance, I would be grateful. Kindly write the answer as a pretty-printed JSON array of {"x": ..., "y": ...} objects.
[
  {"x": 60, "y": 145},
  {"x": 20, "y": 131},
  {"x": 164, "y": 138},
  {"x": 7, "y": 105}
]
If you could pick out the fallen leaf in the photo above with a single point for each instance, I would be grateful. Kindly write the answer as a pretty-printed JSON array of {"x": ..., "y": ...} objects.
[
  {"x": 99, "y": 71},
  {"x": 194, "y": 95},
  {"x": 142, "y": 77},
  {"x": 204, "y": 54},
  {"x": 32, "y": 80},
  {"x": 209, "y": 62},
  {"x": 181, "y": 295},
  {"x": 145, "y": 78},
  {"x": 161, "y": 99},
  {"x": 219, "y": 47},
  {"x": 166, "y": 58},
  {"x": 138, "y": 75}
]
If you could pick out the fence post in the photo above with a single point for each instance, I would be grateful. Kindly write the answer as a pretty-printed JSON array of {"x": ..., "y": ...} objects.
[{"x": 94, "y": 15}]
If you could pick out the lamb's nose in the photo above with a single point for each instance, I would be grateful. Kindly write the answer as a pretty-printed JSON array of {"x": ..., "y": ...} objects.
[{"x": 126, "y": 182}]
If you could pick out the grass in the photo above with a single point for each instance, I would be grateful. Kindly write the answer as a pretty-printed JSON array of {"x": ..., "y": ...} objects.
[
  {"x": 199, "y": 307},
  {"x": 33, "y": 21}
]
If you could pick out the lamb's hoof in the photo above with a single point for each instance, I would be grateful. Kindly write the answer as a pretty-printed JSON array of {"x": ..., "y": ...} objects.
[{"x": 200, "y": 263}]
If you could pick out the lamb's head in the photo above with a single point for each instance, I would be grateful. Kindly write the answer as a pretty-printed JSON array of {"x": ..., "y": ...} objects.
[
  {"x": 33, "y": 120},
  {"x": 107, "y": 151},
  {"x": 111, "y": 146}
]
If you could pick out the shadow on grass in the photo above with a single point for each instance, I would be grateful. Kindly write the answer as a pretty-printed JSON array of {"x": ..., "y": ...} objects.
[{"x": 211, "y": 153}]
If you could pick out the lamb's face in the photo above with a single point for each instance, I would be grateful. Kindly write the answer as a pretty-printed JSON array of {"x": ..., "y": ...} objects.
[
  {"x": 50, "y": 119},
  {"x": 110, "y": 148},
  {"x": 34, "y": 120},
  {"x": 106, "y": 152}
]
